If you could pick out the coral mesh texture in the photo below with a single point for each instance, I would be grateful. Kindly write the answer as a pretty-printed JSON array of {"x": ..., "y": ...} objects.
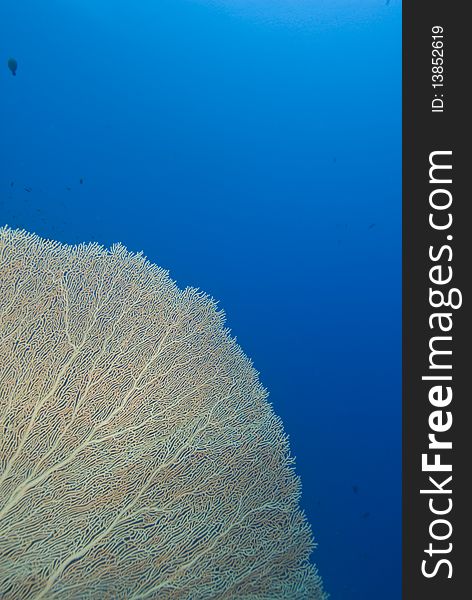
[{"x": 139, "y": 456}]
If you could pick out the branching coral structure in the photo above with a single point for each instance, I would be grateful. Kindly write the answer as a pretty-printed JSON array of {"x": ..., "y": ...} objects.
[{"x": 139, "y": 456}]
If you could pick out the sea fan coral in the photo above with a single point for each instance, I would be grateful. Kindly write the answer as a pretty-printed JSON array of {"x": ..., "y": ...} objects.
[{"x": 139, "y": 457}]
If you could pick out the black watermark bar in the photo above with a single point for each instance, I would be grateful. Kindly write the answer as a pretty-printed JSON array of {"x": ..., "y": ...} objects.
[{"x": 437, "y": 268}]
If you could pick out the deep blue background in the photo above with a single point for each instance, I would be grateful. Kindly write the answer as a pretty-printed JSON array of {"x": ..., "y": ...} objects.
[{"x": 254, "y": 149}]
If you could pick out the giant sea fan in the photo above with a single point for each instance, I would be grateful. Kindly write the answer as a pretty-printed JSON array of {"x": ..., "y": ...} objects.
[{"x": 139, "y": 457}]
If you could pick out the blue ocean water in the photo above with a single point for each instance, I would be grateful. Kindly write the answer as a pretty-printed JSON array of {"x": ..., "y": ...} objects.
[{"x": 253, "y": 148}]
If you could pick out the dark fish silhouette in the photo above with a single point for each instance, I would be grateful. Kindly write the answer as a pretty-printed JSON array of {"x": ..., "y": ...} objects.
[
  {"x": 371, "y": 225},
  {"x": 12, "y": 183},
  {"x": 366, "y": 515},
  {"x": 28, "y": 189},
  {"x": 81, "y": 180},
  {"x": 13, "y": 66},
  {"x": 355, "y": 489}
]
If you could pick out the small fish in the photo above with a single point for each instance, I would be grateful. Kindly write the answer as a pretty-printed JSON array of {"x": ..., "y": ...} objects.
[
  {"x": 81, "y": 180},
  {"x": 68, "y": 188},
  {"x": 371, "y": 225},
  {"x": 355, "y": 489},
  {"x": 12, "y": 65},
  {"x": 28, "y": 189},
  {"x": 12, "y": 183},
  {"x": 365, "y": 515}
]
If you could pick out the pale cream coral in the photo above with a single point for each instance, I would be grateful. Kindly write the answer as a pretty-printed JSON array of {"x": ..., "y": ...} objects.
[{"x": 139, "y": 457}]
